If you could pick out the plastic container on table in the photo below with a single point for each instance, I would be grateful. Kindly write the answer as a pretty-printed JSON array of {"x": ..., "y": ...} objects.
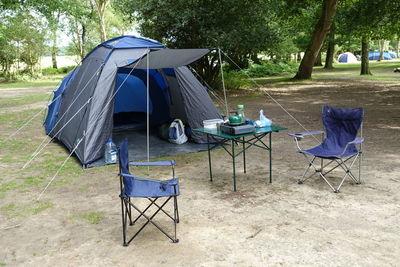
[{"x": 212, "y": 124}]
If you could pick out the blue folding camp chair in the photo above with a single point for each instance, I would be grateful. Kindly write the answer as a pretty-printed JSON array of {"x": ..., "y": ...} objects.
[
  {"x": 338, "y": 146},
  {"x": 139, "y": 187}
]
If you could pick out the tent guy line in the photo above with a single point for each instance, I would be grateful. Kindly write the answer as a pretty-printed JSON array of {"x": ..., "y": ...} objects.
[
  {"x": 59, "y": 169},
  {"x": 223, "y": 82},
  {"x": 45, "y": 107},
  {"x": 30, "y": 160},
  {"x": 30, "y": 119},
  {"x": 273, "y": 99},
  {"x": 39, "y": 149},
  {"x": 76, "y": 113},
  {"x": 219, "y": 99},
  {"x": 84, "y": 133}
]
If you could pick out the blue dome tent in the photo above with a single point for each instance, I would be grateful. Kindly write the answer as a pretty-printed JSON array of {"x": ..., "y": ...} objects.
[
  {"x": 347, "y": 57},
  {"x": 374, "y": 55},
  {"x": 127, "y": 82}
]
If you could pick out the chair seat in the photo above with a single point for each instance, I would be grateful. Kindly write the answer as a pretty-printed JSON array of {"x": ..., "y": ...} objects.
[
  {"x": 322, "y": 151},
  {"x": 145, "y": 188}
]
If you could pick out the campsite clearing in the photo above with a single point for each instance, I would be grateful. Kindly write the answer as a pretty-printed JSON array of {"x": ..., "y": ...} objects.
[{"x": 78, "y": 220}]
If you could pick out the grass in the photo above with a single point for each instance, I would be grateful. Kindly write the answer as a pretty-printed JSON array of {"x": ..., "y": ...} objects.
[
  {"x": 381, "y": 71},
  {"x": 92, "y": 217},
  {"x": 13, "y": 209},
  {"x": 46, "y": 81},
  {"x": 23, "y": 100},
  {"x": 43, "y": 205}
]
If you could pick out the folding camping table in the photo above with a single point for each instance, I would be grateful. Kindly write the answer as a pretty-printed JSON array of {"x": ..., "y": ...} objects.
[{"x": 255, "y": 139}]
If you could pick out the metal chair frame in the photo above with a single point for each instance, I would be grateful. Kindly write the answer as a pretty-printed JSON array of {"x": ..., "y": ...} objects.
[{"x": 127, "y": 205}]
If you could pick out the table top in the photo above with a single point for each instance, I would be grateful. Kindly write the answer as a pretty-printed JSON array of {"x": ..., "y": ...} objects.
[{"x": 216, "y": 132}]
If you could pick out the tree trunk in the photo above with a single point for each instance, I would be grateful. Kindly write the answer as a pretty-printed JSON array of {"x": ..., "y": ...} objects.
[
  {"x": 318, "y": 60},
  {"x": 364, "y": 56},
  {"x": 54, "y": 48},
  {"x": 298, "y": 57},
  {"x": 321, "y": 28},
  {"x": 331, "y": 48},
  {"x": 101, "y": 8},
  {"x": 398, "y": 47},
  {"x": 381, "y": 44},
  {"x": 83, "y": 41}
]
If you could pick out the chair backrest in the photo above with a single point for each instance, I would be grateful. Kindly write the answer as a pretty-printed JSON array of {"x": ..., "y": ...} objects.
[
  {"x": 341, "y": 125},
  {"x": 123, "y": 156},
  {"x": 124, "y": 165}
]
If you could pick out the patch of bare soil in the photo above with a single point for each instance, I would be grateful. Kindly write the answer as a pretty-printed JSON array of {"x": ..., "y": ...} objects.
[{"x": 261, "y": 224}]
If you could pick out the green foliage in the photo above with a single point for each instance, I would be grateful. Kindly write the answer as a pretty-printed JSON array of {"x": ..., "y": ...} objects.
[
  {"x": 240, "y": 28},
  {"x": 235, "y": 80},
  {"x": 53, "y": 71},
  {"x": 270, "y": 69},
  {"x": 22, "y": 37}
]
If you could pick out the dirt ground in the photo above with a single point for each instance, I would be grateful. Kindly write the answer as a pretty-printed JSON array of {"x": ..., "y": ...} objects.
[{"x": 262, "y": 224}]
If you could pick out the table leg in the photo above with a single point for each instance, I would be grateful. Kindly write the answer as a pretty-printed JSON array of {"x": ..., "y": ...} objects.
[
  {"x": 270, "y": 158},
  {"x": 244, "y": 156},
  {"x": 209, "y": 158},
  {"x": 233, "y": 163}
]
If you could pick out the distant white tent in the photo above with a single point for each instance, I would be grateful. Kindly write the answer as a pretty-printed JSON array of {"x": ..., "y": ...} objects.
[{"x": 347, "y": 57}]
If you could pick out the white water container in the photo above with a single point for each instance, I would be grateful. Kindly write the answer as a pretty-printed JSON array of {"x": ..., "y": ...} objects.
[{"x": 110, "y": 153}]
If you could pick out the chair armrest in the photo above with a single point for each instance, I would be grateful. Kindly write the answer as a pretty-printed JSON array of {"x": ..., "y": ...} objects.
[
  {"x": 301, "y": 135},
  {"x": 357, "y": 141},
  {"x": 138, "y": 177},
  {"x": 154, "y": 163}
]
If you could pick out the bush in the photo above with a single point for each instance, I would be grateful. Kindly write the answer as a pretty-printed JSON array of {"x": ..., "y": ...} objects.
[
  {"x": 53, "y": 71},
  {"x": 49, "y": 71},
  {"x": 270, "y": 69},
  {"x": 65, "y": 70},
  {"x": 234, "y": 80}
]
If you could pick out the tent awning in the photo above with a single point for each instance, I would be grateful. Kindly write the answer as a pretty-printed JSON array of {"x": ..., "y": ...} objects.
[{"x": 169, "y": 58}]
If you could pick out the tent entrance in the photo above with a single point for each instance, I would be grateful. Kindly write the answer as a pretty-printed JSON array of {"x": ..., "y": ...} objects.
[
  {"x": 130, "y": 105},
  {"x": 158, "y": 147}
]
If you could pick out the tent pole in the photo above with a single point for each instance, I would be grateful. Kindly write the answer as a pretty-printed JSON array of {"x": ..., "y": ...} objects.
[
  {"x": 223, "y": 83},
  {"x": 148, "y": 107}
]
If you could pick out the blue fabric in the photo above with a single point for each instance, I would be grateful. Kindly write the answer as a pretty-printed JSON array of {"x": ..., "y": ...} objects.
[
  {"x": 130, "y": 41},
  {"x": 159, "y": 96},
  {"x": 143, "y": 188},
  {"x": 54, "y": 107},
  {"x": 343, "y": 58},
  {"x": 374, "y": 55},
  {"x": 169, "y": 71},
  {"x": 341, "y": 127},
  {"x": 132, "y": 95},
  {"x": 153, "y": 163}
]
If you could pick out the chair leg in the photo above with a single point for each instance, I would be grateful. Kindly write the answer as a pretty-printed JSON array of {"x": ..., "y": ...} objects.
[
  {"x": 359, "y": 168},
  {"x": 176, "y": 219},
  {"x": 124, "y": 220},
  {"x": 330, "y": 185},
  {"x": 303, "y": 179},
  {"x": 130, "y": 213},
  {"x": 150, "y": 219},
  {"x": 339, "y": 162},
  {"x": 176, "y": 209}
]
